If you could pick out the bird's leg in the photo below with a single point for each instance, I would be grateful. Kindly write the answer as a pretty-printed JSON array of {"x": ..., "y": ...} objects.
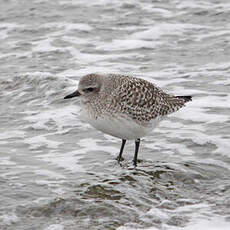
[
  {"x": 121, "y": 150},
  {"x": 137, "y": 144}
]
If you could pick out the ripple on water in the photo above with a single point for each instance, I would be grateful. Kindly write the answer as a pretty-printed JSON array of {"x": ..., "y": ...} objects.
[
  {"x": 164, "y": 194},
  {"x": 56, "y": 172}
]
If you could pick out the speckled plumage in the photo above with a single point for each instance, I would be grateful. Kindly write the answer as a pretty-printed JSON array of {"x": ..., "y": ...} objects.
[
  {"x": 136, "y": 98},
  {"x": 123, "y": 106}
]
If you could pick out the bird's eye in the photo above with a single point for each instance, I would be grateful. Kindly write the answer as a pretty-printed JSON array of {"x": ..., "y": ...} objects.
[{"x": 90, "y": 89}]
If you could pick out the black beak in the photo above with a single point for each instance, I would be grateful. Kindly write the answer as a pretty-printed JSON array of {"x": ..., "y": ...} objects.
[{"x": 74, "y": 94}]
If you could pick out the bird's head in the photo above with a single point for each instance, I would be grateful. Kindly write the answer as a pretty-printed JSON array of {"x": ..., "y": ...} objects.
[{"x": 89, "y": 86}]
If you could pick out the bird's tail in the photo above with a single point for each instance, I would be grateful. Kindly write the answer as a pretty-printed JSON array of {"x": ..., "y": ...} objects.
[{"x": 186, "y": 98}]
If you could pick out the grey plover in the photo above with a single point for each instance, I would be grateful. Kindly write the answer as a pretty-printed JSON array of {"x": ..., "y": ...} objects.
[{"x": 123, "y": 106}]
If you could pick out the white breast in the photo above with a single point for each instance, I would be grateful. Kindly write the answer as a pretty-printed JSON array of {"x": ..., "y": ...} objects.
[{"x": 119, "y": 125}]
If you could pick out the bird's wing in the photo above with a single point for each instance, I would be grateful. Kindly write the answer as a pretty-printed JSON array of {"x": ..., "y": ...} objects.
[{"x": 141, "y": 99}]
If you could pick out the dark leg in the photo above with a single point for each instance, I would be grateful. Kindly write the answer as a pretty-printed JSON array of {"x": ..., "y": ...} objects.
[
  {"x": 121, "y": 150},
  {"x": 137, "y": 144}
]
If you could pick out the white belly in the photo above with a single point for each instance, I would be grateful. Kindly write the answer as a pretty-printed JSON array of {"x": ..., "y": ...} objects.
[{"x": 119, "y": 126}]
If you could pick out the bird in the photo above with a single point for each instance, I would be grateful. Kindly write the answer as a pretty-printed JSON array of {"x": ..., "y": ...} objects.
[{"x": 123, "y": 106}]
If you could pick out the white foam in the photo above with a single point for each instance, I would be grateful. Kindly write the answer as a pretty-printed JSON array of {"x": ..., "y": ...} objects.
[
  {"x": 55, "y": 227},
  {"x": 44, "y": 45},
  {"x": 131, "y": 228},
  {"x": 223, "y": 144},
  {"x": 8, "y": 219},
  {"x": 155, "y": 32},
  {"x": 6, "y": 161},
  {"x": 41, "y": 141},
  {"x": 153, "y": 9},
  {"x": 67, "y": 160},
  {"x": 3, "y": 34},
  {"x": 12, "y": 134},
  {"x": 70, "y": 159},
  {"x": 89, "y": 58},
  {"x": 91, "y": 3},
  {"x": 171, "y": 148},
  {"x": 94, "y": 145},
  {"x": 217, "y": 223},
  {"x": 50, "y": 174},
  {"x": 87, "y": 70},
  {"x": 127, "y": 44},
  {"x": 16, "y": 55},
  {"x": 199, "y": 218},
  {"x": 199, "y": 114},
  {"x": 5, "y": 28},
  {"x": 67, "y": 26},
  {"x": 212, "y": 224},
  {"x": 63, "y": 117},
  {"x": 75, "y": 41},
  {"x": 156, "y": 212},
  {"x": 194, "y": 4},
  {"x": 209, "y": 35},
  {"x": 78, "y": 26}
]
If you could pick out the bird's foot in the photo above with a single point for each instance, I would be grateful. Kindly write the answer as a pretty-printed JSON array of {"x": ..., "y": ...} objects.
[
  {"x": 135, "y": 162},
  {"x": 119, "y": 159}
]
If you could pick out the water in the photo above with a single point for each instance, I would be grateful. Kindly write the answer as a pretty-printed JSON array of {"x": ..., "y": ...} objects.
[{"x": 58, "y": 173}]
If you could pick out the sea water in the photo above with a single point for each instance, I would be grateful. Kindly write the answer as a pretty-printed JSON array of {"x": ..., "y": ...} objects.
[{"x": 58, "y": 173}]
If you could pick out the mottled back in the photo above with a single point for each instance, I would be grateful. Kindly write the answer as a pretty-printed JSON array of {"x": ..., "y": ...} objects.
[
  {"x": 141, "y": 99},
  {"x": 125, "y": 96}
]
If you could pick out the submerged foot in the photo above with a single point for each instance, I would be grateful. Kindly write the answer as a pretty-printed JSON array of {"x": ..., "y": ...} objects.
[{"x": 119, "y": 159}]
